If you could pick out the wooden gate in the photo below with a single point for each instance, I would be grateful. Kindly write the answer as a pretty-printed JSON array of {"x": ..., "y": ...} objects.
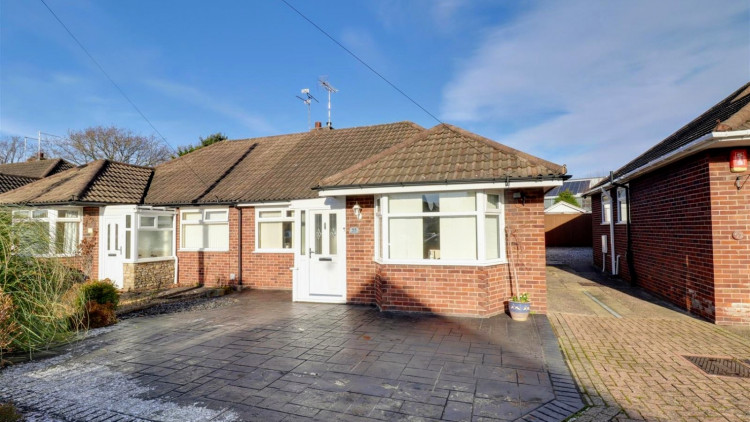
[{"x": 567, "y": 229}]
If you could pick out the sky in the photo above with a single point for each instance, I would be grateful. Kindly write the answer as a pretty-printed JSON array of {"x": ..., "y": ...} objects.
[{"x": 587, "y": 84}]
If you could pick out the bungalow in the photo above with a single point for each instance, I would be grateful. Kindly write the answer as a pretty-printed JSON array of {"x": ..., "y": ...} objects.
[
  {"x": 394, "y": 215},
  {"x": 676, "y": 219}
]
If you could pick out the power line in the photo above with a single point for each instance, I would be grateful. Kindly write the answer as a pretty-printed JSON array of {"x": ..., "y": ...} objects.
[
  {"x": 120, "y": 90},
  {"x": 399, "y": 90}
]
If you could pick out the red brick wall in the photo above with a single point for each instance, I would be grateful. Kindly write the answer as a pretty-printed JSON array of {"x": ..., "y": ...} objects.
[
  {"x": 208, "y": 268},
  {"x": 360, "y": 249},
  {"x": 525, "y": 224},
  {"x": 671, "y": 212},
  {"x": 450, "y": 290},
  {"x": 263, "y": 270},
  {"x": 731, "y": 218},
  {"x": 621, "y": 236},
  {"x": 91, "y": 221}
]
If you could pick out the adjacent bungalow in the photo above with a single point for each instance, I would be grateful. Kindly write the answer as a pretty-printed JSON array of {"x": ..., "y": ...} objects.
[
  {"x": 15, "y": 175},
  {"x": 676, "y": 220},
  {"x": 395, "y": 215}
]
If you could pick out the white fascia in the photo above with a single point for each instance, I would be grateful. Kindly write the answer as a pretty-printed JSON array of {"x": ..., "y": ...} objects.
[
  {"x": 707, "y": 141},
  {"x": 440, "y": 187}
]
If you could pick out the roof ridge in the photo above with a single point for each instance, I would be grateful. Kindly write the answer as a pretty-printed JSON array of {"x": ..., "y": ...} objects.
[
  {"x": 415, "y": 138},
  {"x": 98, "y": 169}
]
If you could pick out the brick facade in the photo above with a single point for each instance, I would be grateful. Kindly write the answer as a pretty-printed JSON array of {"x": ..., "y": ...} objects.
[
  {"x": 208, "y": 268},
  {"x": 448, "y": 289},
  {"x": 683, "y": 218},
  {"x": 263, "y": 270}
]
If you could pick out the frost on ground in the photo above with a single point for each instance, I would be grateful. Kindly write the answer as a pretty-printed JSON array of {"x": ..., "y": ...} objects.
[
  {"x": 197, "y": 304},
  {"x": 69, "y": 386}
]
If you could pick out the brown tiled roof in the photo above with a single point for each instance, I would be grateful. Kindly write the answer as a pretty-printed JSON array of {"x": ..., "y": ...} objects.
[
  {"x": 731, "y": 113},
  {"x": 270, "y": 169},
  {"x": 36, "y": 169},
  {"x": 101, "y": 181},
  {"x": 10, "y": 182},
  {"x": 445, "y": 154}
]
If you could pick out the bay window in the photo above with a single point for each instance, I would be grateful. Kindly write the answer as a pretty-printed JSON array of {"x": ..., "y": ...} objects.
[
  {"x": 53, "y": 231},
  {"x": 446, "y": 227},
  {"x": 204, "y": 229},
  {"x": 154, "y": 236},
  {"x": 274, "y": 230}
]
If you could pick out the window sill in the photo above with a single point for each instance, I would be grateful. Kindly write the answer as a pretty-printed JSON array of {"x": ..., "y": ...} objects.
[
  {"x": 274, "y": 251},
  {"x": 621, "y": 223},
  {"x": 440, "y": 262},
  {"x": 605, "y": 223},
  {"x": 203, "y": 250},
  {"x": 154, "y": 259}
]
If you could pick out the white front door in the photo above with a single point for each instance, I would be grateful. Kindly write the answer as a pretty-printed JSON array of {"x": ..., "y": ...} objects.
[
  {"x": 321, "y": 262},
  {"x": 112, "y": 236}
]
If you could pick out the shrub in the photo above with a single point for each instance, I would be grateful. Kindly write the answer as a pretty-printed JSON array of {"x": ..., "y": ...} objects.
[
  {"x": 99, "y": 315},
  {"x": 41, "y": 307},
  {"x": 101, "y": 292},
  {"x": 8, "y": 412}
]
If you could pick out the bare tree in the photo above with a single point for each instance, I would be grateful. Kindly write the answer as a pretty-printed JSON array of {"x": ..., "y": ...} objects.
[
  {"x": 112, "y": 143},
  {"x": 11, "y": 149}
]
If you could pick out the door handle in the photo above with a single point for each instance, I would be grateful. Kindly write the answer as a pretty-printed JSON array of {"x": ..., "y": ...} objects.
[{"x": 309, "y": 253}]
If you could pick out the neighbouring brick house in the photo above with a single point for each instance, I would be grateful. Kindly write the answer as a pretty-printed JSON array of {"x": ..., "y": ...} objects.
[
  {"x": 676, "y": 220},
  {"x": 15, "y": 175},
  {"x": 394, "y": 215}
]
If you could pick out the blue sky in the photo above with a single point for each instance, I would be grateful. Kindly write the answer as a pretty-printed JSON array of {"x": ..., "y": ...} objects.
[{"x": 587, "y": 84}]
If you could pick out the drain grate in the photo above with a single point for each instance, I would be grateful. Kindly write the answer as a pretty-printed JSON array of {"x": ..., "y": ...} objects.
[
  {"x": 589, "y": 284},
  {"x": 720, "y": 366}
]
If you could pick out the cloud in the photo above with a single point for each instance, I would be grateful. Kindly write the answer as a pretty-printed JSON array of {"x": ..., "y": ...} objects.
[
  {"x": 594, "y": 84},
  {"x": 211, "y": 102}
]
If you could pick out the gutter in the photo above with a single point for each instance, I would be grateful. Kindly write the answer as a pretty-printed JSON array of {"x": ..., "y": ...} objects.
[
  {"x": 704, "y": 142},
  {"x": 506, "y": 180}
]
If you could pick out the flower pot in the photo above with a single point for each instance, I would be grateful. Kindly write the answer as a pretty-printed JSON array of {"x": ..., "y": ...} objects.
[{"x": 519, "y": 311}]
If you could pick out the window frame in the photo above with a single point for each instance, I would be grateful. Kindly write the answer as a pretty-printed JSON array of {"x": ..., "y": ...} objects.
[
  {"x": 382, "y": 230},
  {"x": 294, "y": 219},
  {"x": 622, "y": 200},
  {"x": 52, "y": 219},
  {"x": 606, "y": 204},
  {"x": 136, "y": 228},
  {"x": 202, "y": 222}
]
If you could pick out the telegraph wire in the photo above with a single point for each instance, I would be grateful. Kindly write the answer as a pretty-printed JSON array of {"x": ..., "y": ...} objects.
[{"x": 120, "y": 90}]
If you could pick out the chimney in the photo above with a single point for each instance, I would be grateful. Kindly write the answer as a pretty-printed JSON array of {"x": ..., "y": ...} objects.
[{"x": 318, "y": 125}]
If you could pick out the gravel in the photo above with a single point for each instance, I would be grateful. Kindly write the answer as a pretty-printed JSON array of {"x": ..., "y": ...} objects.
[
  {"x": 572, "y": 257},
  {"x": 196, "y": 304}
]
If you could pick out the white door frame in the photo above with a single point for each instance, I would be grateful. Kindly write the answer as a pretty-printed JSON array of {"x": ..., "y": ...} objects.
[
  {"x": 112, "y": 258},
  {"x": 302, "y": 262}
]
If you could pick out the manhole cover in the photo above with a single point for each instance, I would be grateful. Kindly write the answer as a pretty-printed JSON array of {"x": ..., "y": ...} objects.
[
  {"x": 589, "y": 284},
  {"x": 720, "y": 366}
]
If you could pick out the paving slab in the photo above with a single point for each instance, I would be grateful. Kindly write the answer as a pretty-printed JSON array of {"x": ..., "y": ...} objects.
[{"x": 634, "y": 367}]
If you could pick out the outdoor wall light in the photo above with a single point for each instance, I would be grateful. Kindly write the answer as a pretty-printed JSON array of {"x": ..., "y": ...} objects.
[{"x": 357, "y": 210}]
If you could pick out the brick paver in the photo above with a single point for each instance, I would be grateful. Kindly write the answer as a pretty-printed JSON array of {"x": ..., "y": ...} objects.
[
  {"x": 266, "y": 358},
  {"x": 635, "y": 363}
]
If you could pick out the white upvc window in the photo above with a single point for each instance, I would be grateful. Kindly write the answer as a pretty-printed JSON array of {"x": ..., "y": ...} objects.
[
  {"x": 53, "y": 231},
  {"x": 204, "y": 229},
  {"x": 274, "y": 229},
  {"x": 155, "y": 235},
  {"x": 449, "y": 228},
  {"x": 622, "y": 205},
  {"x": 606, "y": 209}
]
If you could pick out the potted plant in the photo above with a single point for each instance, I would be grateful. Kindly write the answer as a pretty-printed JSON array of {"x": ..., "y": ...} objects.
[
  {"x": 519, "y": 307},
  {"x": 519, "y": 304}
]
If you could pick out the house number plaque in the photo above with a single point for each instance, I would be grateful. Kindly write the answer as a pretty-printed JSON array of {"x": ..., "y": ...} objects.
[{"x": 353, "y": 230}]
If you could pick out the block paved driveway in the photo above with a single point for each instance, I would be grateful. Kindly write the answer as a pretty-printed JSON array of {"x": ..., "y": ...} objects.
[
  {"x": 266, "y": 358},
  {"x": 633, "y": 367}
]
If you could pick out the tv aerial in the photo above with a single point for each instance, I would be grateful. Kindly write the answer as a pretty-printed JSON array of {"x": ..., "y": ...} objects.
[
  {"x": 307, "y": 99},
  {"x": 328, "y": 87}
]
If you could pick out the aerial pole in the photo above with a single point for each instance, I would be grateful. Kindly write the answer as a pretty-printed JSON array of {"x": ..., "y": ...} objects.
[
  {"x": 307, "y": 100},
  {"x": 328, "y": 87}
]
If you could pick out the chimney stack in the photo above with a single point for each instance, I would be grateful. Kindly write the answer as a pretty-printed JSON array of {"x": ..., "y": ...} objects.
[{"x": 318, "y": 125}]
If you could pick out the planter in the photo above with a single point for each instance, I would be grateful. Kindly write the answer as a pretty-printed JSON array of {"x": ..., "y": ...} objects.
[{"x": 519, "y": 311}]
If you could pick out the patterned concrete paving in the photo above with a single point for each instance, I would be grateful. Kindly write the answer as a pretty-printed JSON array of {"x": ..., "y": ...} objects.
[
  {"x": 266, "y": 358},
  {"x": 633, "y": 368}
]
